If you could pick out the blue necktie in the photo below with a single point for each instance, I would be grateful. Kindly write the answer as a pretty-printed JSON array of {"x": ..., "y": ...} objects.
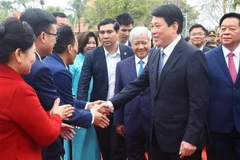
[
  {"x": 161, "y": 62},
  {"x": 140, "y": 68}
]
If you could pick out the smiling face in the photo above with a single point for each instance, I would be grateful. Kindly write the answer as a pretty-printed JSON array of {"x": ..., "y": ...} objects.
[
  {"x": 229, "y": 33},
  {"x": 25, "y": 59},
  {"x": 90, "y": 45},
  {"x": 198, "y": 37},
  {"x": 163, "y": 34},
  {"x": 141, "y": 46}
]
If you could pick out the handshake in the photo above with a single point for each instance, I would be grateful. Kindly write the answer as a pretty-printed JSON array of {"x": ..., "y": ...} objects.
[{"x": 100, "y": 110}]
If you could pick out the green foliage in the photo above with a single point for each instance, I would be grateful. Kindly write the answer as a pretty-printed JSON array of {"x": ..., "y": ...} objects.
[
  {"x": 23, "y": 2},
  {"x": 140, "y": 10},
  {"x": 3, "y": 15},
  {"x": 235, "y": 4},
  {"x": 78, "y": 8},
  {"x": 51, "y": 9}
]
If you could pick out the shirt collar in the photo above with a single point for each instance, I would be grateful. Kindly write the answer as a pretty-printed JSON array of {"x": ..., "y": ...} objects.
[
  {"x": 226, "y": 51},
  {"x": 168, "y": 50},
  {"x": 127, "y": 43},
  {"x": 201, "y": 48},
  {"x": 39, "y": 56},
  {"x": 112, "y": 55},
  {"x": 138, "y": 59}
]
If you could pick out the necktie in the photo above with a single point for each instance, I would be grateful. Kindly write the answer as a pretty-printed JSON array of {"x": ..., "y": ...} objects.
[
  {"x": 161, "y": 62},
  {"x": 231, "y": 67},
  {"x": 141, "y": 67}
]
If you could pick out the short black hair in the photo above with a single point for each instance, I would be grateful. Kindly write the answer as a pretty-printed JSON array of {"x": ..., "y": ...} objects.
[
  {"x": 125, "y": 19},
  {"x": 14, "y": 34},
  {"x": 65, "y": 37},
  {"x": 230, "y": 15},
  {"x": 199, "y": 26},
  {"x": 108, "y": 21},
  {"x": 83, "y": 38},
  {"x": 38, "y": 19},
  {"x": 170, "y": 13},
  {"x": 59, "y": 14}
]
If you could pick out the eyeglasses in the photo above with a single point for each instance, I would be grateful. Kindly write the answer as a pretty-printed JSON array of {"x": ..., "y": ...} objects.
[
  {"x": 199, "y": 34},
  {"x": 53, "y": 34}
]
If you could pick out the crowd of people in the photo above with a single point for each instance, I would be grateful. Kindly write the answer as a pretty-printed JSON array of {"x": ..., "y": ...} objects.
[{"x": 120, "y": 93}]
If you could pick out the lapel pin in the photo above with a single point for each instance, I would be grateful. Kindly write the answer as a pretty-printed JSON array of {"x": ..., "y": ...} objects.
[{"x": 125, "y": 53}]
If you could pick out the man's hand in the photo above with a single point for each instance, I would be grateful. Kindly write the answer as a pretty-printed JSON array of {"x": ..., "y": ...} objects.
[
  {"x": 91, "y": 104},
  {"x": 104, "y": 109},
  {"x": 67, "y": 132},
  {"x": 100, "y": 120},
  {"x": 186, "y": 149},
  {"x": 120, "y": 130}
]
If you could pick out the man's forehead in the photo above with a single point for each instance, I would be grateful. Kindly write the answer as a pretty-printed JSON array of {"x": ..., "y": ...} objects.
[
  {"x": 106, "y": 27},
  {"x": 63, "y": 21}
]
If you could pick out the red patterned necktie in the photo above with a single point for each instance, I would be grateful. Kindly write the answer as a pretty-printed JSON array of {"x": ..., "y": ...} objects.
[{"x": 231, "y": 67}]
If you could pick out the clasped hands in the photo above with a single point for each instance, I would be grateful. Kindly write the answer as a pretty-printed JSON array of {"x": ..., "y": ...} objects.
[{"x": 100, "y": 111}]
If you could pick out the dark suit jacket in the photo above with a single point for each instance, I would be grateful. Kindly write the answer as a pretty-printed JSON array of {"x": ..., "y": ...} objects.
[
  {"x": 135, "y": 115},
  {"x": 24, "y": 125},
  {"x": 179, "y": 97},
  {"x": 224, "y": 111},
  {"x": 206, "y": 48},
  {"x": 95, "y": 66},
  {"x": 63, "y": 82},
  {"x": 40, "y": 78}
]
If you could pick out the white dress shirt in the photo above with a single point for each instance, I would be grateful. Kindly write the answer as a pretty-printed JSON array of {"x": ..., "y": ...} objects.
[
  {"x": 236, "y": 57},
  {"x": 112, "y": 60},
  {"x": 168, "y": 50},
  {"x": 137, "y": 63}
]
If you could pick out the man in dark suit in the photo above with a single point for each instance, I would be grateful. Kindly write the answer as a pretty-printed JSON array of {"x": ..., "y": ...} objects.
[
  {"x": 100, "y": 64},
  {"x": 198, "y": 37},
  {"x": 224, "y": 103},
  {"x": 178, "y": 80},
  {"x": 134, "y": 118},
  {"x": 40, "y": 77},
  {"x": 64, "y": 53}
]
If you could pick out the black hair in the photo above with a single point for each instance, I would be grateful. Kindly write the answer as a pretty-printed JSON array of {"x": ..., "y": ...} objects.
[
  {"x": 38, "y": 19},
  {"x": 65, "y": 37},
  {"x": 109, "y": 21},
  {"x": 199, "y": 26},
  {"x": 125, "y": 19},
  {"x": 14, "y": 34},
  {"x": 83, "y": 38},
  {"x": 59, "y": 14},
  {"x": 170, "y": 13},
  {"x": 230, "y": 15}
]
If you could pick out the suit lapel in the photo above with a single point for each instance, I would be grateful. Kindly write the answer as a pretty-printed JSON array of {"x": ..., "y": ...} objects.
[
  {"x": 173, "y": 58},
  {"x": 101, "y": 60},
  {"x": 222, "y": 62},
  {"x": 123, "y": 53},
  {"x": 154, "y": 65},
  {"x": 132, "y": 68}
]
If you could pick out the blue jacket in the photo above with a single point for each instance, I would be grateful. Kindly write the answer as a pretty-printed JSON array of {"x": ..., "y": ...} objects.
[
  {"x": 136, "y": 114},
  {"x": 224, "y": 104}
]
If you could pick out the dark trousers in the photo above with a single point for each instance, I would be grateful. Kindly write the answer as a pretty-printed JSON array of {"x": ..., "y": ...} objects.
[
  {"x": 225, "y": 146},
  {"x": 111, "y": 144},
  {"x": 158, "y": 154},
  {"x": 135, "y": 147}
]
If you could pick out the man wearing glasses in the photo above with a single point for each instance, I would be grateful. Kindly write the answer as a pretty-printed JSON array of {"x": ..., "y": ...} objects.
[{"x": 198, "y": 37}]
